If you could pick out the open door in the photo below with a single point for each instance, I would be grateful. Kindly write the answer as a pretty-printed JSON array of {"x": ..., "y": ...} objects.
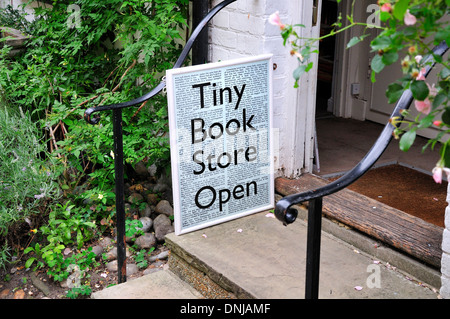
[
  {"x": 379, "y": 109},
  {"x": 354, "y": 95}
]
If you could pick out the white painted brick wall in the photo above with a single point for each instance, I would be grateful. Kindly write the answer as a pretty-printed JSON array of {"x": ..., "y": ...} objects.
[
  {"x": 242, "y": 29},
  {"x": 445, "y": 261}
]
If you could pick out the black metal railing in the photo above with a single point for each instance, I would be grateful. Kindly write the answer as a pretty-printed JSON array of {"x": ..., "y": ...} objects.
[
  {"x": 118, "y": 137},
  {"x": 283, "y": 209},
  {"x": 287, "y": 215}
]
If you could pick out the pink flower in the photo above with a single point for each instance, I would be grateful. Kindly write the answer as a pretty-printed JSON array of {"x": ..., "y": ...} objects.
[
  {"x": 409, "y": 19},
  {"x": 274, "y": 19},
  {"x": 421, "y": 75},
  {"x": 418, "y": 58},
  {"x": 386, "y": 7},
  {"x": 437, "y": 173},
  {"x": 433, "y": 90},
  {"x": 437, "y": 123},
  {"x": 423, "y": 106}
]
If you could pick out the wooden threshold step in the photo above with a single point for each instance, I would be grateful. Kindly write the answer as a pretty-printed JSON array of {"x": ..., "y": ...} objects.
[{"x": 396, "y": 228}]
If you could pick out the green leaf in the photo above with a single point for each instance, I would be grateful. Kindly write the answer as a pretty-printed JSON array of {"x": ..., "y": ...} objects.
[
  {"x": 445, "y": 73},
  {"x": 29, "y": 262},
  {"x": 380, "y": 43},
  {"x": 400, "y": 9},
  {"x": 373, "y": 76},
  {"x": 426, "y": 121},
  {"x": 407, "y": 140},
  {"x": 443, "y": 34},
  {"x": 446, "y": 117},
  {"x": 389, "y": 57},
  {"x": 419, "y": 90},
  {"x": 355, "y": 40},
  {"x": 299, "y": 71},
  {"x": 394, "y": 92},
  {"x": 384, "y": 16},
  {"x": 26, "y": 251},
  {"x": 445, "y": 153},
  {"x": 410, "y": 32},
  {"x": 438, "y": 100},
  {"x": 377, "y": 63}
]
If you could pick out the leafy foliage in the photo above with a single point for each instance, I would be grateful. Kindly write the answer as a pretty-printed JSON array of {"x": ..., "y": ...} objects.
[
  {"x": 26, "y": 181},
  {"x": 80, "y": 55}
]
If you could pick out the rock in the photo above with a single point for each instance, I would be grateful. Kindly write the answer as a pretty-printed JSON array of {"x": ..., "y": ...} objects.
[
  {"x": 39, "y": 284},
  {"x": 97, "y": 250},
  {"x": 135, "y": 198},
  {"x": 164, "y": 207},
  {"x": 141, "y": 170},
  {"x": 152, "y": 199},
  {"x": 160, "y": 221},
  {"x": 164, "y": 183},
  {"x": 112, "y": 254},
  {"x": 161, "y": 255},
  {"x": 67, "y": 251},
  {"x": 162, "y": 226},
  {"x": 129, "y": 210},
  {"x": 146, "y": 212},
  {"x": 130, "y": 239},
  {"x": 158, "y": 264},
  {"x": 151, "y": 270},
  {"x": 162, "y": 231},
  {"x": 147, "y": 223},
  {"x": 146, "y": 241},
  {"x": 131, "y": 268},
  {"x": 152, "y": 170},
  {"x": 106, "y": 242},
  {"x": 112, "y": 266},
  {"x": 148, "y": 186},
  {"x": 4, "y": 293},
  {"x": 19, "y": 294}
]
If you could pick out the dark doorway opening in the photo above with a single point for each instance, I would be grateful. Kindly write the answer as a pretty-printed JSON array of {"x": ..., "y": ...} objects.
[{"x": 326, "y": 60}]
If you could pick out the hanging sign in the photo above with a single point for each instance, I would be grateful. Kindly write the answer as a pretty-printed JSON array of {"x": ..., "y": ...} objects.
[{"x": 220, "y": 120}]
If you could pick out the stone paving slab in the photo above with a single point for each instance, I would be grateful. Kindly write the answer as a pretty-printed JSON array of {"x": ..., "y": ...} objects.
[
  {"x": 162, "y": 284},
  {"x": 258, "y": 257}
]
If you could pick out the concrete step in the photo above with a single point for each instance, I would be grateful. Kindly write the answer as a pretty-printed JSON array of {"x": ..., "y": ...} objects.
[
  {"x": 257, "y": 257},
  {"x": 162, "y": 284}
]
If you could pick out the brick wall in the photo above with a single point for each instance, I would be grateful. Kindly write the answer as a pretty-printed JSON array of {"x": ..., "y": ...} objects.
[
  {"x": 242, "y": 29},
  {"x": 445, "y": 262}
]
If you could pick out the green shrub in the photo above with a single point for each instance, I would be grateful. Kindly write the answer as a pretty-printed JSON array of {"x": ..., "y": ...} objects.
[
  {"x": 26, "y": 179},
  {"x": 118, "y": 51}
]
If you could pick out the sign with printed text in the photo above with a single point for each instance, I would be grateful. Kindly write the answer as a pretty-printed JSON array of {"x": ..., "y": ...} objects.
[{"x": 220, "y": 120}]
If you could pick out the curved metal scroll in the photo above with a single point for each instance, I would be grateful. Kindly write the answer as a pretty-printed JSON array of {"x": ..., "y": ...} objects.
[
  {"x": 94, "y": 120},
  {"x": 284, "y": 213}
]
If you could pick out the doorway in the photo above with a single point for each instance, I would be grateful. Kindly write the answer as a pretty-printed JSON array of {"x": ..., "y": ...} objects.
[
  {"x": 348, "y": 123},
  {"x": 325, "y": 68}
]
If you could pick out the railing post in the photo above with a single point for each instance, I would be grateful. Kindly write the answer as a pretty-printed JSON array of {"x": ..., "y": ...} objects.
[
  {"x": 120, "y": 204},
  {"x": 200, "y": 9},
  {"x": 313, "y": 248}
]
